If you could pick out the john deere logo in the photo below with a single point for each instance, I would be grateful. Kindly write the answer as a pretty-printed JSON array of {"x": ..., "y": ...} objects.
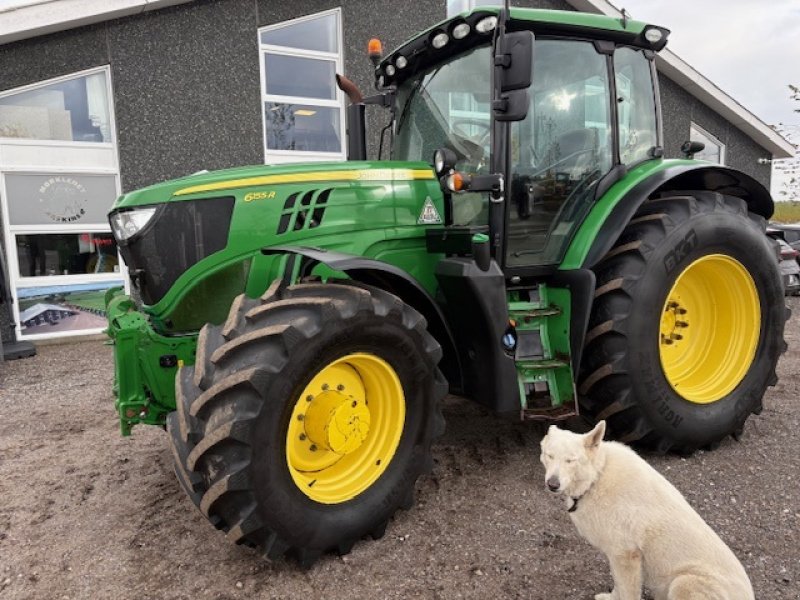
[{"x": 63, "y": 199}]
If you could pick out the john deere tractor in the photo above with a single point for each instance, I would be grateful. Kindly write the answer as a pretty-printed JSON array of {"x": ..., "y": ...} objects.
[{"x": 526, "y": 246}]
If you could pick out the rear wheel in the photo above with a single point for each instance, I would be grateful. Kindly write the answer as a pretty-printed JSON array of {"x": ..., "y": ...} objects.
[
  {"x": 308, "y": 417},
  {"x": 687, "y": 324}
]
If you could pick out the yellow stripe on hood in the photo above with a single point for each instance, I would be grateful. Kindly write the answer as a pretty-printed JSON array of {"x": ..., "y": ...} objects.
[{"x": 312, "y": 177}]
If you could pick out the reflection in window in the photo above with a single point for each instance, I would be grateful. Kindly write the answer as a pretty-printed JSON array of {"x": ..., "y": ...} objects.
[
  {"x": 302, "y": 104},
  {"x": 636, "y": 105},
  {"x": 306, "y": 128},
  {"x": 714, "y": 150},
  {"x": 66, "y": 254},
  {"x": 318, "y": 34},
  {"x": 71, "y": 110},
  {"x": 559, "y": 151},
  {"x": 317, "y": 77}
]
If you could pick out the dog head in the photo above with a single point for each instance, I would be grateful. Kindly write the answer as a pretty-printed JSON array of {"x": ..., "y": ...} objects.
[{"x": 570, "y": 459}]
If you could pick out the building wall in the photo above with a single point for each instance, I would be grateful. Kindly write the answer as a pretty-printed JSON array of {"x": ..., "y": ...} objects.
[{"x": 680, "y": 109}]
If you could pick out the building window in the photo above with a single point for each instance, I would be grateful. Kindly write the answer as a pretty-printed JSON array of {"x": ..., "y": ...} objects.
[
  {"x": 71, "y": 109},
  {"x": 455, "y": 7},
  {"x": 59, "y": 175},
  {"x": 714, "y": 150},
  {"x": 303, "y": 107}
]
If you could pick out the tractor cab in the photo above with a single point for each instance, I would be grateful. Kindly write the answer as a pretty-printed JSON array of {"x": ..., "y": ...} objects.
[
  {"x": 529, "y": 117},
  {"x": 557, "y": 114}
]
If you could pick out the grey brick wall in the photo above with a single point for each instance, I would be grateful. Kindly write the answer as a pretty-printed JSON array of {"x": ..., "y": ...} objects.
[{"x": 680, "y": 109}]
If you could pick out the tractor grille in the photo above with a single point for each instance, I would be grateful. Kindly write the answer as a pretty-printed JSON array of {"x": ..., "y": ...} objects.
[
  {"x": 303, "y": 210},
  {"x": 178, "y": 236}
]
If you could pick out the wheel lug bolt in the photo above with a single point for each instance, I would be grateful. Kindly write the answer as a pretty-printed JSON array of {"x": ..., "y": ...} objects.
[
  {"x": 302, "y": 436},
  {"x": 681, "y": 324},
  {"x": 313, "y": 447},
  {"x": 300, "y": 417},
  {"x": 325, "y": 387},
  {"x": 340, "y": 387},
  {"x": 681, "y": 311},
  {"x": 355, "y": 403},
  {"x": 309, "y": 398},
  {"x": 667, "y": 341},
  {"x": 677, "y": 336}
]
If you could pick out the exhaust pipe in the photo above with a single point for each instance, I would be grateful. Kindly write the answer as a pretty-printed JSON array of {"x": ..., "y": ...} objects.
[{"x": 356, "y": 121}]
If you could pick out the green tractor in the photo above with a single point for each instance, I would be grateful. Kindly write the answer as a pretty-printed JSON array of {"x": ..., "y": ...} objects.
[{"x": 526, "y": 246}]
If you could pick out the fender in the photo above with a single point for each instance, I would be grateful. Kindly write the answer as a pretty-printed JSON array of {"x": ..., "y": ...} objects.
[
  {"x": 392, "y": 279},
  {"x": 614, "y": 210}
]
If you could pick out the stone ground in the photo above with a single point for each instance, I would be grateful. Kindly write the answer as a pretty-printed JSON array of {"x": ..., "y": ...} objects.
[{"x": 85, "y": 513}]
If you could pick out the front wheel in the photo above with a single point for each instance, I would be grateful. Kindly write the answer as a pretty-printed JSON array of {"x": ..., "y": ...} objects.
[
  {"x": 686, "y": 326},
  {"x": 308, "y": 417}
]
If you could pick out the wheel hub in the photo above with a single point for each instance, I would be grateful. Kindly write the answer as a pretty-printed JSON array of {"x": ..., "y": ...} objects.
[
  {"x": 337, "y": 422},
  {"x": 673, "y": 321},
  {"x": 709, "y": 328},
  {"x": 345, "y": 427}
]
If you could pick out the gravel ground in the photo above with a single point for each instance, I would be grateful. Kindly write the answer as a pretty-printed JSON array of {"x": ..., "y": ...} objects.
[{"x": 85, "y": 513}]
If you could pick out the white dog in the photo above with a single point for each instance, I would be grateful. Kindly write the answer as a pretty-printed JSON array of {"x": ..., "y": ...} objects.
[{"x": 650, "y": 534}]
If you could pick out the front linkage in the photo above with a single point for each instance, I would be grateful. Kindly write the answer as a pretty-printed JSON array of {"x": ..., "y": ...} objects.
[{"x": 145, "y": 363}]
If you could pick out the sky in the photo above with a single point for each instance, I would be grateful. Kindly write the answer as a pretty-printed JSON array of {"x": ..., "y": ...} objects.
[{"x": 749, "y": 48}]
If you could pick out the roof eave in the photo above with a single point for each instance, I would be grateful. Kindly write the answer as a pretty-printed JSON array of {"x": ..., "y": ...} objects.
[{"x": 26, "y": 20}]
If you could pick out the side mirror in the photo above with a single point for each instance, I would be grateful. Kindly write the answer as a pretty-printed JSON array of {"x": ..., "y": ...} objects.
[
  {"x": 690, "y": 148},
  {"x": 515, "y": 57},
  {"x": 512, "y": 106},
  {"x": 514, "y": 69}
]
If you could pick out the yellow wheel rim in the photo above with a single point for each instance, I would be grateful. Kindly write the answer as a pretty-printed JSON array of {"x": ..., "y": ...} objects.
[
  {"x": 709, "y": 328},
  {"x": 345, "y": 428}
]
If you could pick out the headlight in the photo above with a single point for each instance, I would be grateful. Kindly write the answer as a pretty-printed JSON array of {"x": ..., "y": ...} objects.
[
  {"x": 461, "y": 31},
  {"x": 128, "y": 223},
  {"x": 486, "y": 24},
  {"x": 440, "y": 40},
  {"x": 653, "y": 35},
  {"x": 444, "y": 161}
]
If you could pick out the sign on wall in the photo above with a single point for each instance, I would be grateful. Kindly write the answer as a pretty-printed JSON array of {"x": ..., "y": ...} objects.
[{"x": 59, "y": 199}]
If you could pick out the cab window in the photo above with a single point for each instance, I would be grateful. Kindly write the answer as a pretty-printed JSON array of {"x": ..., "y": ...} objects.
[
  {"x": 636, "y": 106},
  {"x": 559, "y": 151}
]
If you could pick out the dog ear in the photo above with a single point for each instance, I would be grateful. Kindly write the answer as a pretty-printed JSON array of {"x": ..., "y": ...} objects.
[{"x": 595, "y": 436}]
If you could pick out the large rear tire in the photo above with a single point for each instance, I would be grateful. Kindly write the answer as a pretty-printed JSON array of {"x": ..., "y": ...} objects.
[
  {"x": 308, "y": 417},
  {"x": 687, "y": 324}
]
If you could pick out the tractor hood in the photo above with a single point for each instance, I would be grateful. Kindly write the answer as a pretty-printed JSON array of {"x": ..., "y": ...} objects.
[
  {"x": 252, "y": 178},
  {"x": 192, "y": 244}
]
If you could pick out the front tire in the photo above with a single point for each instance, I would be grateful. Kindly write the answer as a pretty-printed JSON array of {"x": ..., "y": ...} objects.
[
  {"x": 308, "y": 417},
  {"x": 686, "y": 326}
]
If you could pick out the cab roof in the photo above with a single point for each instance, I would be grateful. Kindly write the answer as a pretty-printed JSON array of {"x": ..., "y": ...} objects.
[{"x": 419, "y": 53}]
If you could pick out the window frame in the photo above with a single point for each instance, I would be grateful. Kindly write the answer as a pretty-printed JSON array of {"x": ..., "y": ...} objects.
[
  {"x": 714, "y": 139},
  {"x": 273, "y": 156},
  {"x": 112, "y": 124}
]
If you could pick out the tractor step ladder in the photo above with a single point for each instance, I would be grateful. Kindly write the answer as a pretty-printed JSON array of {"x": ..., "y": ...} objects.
[{"x": 542, "y": 353}]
